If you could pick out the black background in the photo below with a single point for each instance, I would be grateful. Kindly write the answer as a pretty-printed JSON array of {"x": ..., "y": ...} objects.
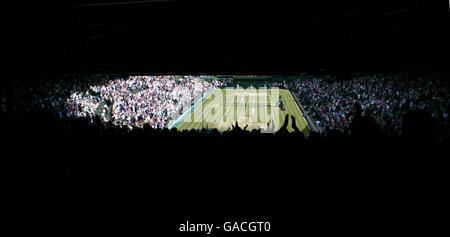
[{"x": 271, "y": 37}]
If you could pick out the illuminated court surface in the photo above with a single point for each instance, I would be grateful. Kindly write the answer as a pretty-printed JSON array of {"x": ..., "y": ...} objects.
[{"x": 256, "y": 109}]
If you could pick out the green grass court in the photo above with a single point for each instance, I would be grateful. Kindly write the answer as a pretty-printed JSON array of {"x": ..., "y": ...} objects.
[{"x": 223, "y": 107}]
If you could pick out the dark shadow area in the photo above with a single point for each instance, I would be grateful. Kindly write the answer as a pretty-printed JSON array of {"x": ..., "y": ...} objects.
[{"x": 90, "y": 175}]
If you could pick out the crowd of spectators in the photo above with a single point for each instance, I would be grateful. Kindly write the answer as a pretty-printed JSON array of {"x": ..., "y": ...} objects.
[
  {"x": 29, "y": 95},
  {"x": 139, "y": 100},
  {"x": 383, "y": 97},
  {"x": 125, "y": 102},
  {"x": 156, "y": 100}
]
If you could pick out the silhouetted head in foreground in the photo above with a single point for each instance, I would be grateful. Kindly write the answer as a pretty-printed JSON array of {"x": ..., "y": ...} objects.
[{"x": 364, "y": 129}]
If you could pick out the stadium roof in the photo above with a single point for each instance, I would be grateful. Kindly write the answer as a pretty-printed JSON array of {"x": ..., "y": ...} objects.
[{"x": 226, "y": 36}]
